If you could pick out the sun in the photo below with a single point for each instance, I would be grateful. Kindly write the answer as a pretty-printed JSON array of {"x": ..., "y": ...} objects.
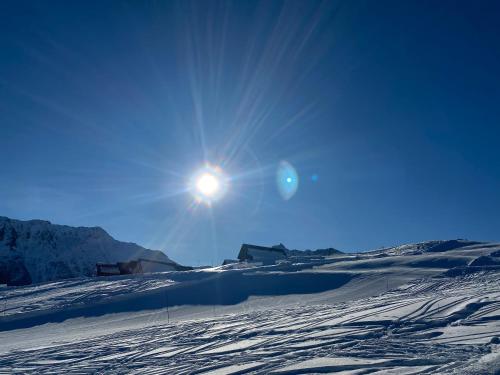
[{"x": 209, "y": 184}]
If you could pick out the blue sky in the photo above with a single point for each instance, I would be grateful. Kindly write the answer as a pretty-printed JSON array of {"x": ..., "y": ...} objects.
[{"x": 388, "y": 111}]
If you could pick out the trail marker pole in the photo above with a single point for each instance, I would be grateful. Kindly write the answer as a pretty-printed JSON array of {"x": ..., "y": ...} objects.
[{"x": 166, "y": 301}]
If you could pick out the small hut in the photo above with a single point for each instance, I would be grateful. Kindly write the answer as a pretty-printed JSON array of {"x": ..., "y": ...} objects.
[{"x": 261, "y": 254}]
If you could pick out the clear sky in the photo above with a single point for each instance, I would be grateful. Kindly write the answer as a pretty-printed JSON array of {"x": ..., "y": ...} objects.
[{"x": 389, "y": 111}]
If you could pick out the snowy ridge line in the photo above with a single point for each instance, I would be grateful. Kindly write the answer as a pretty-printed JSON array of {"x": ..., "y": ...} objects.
[{"x": 393, "y": 331}]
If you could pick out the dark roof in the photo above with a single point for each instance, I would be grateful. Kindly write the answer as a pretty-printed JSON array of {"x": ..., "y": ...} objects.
[{"x": 278, "y": 250}]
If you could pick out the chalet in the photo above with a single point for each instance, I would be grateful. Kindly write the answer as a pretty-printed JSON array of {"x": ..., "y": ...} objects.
[
  {"x": 120, "y": 268},
  {"x": 261, "y": 254},
  {"x": 104, "y": 269},
  {"x": 140, "y": 265}
]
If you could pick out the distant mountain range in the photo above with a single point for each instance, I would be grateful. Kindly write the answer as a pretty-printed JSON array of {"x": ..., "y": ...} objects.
[{"x": 35, "y": 251}]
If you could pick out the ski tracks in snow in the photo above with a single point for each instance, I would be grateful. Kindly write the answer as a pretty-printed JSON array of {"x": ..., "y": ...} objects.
[{"x": 439, "y": 325}]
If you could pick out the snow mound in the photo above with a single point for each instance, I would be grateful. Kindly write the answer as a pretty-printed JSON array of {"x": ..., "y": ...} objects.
[{"x": 485, "y": 261}]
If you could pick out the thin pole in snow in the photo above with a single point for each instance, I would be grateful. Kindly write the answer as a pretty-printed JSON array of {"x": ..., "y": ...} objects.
[{"x": 166, "y": 301}]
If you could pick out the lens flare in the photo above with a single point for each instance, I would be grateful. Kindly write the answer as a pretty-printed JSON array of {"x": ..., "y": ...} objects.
[{"x": 287, "y": 180}]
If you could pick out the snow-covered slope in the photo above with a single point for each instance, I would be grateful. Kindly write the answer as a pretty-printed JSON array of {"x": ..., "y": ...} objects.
[
  {"x": 432, "y": 326},
  {"x": 424, "y": 247},
  {"x": 34, "y": 251},
  {"x": 401, "y": 313}
]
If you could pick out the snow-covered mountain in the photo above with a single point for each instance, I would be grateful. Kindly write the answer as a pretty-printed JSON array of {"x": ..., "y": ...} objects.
[{"x": 35, "y": 250}]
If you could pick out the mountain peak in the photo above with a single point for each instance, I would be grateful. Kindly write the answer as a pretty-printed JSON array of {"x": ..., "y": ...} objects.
[{"x": 37, "y": 250}]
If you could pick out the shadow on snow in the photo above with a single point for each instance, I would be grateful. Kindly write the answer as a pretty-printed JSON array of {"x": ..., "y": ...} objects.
[{"x": 225, "y": 288}]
